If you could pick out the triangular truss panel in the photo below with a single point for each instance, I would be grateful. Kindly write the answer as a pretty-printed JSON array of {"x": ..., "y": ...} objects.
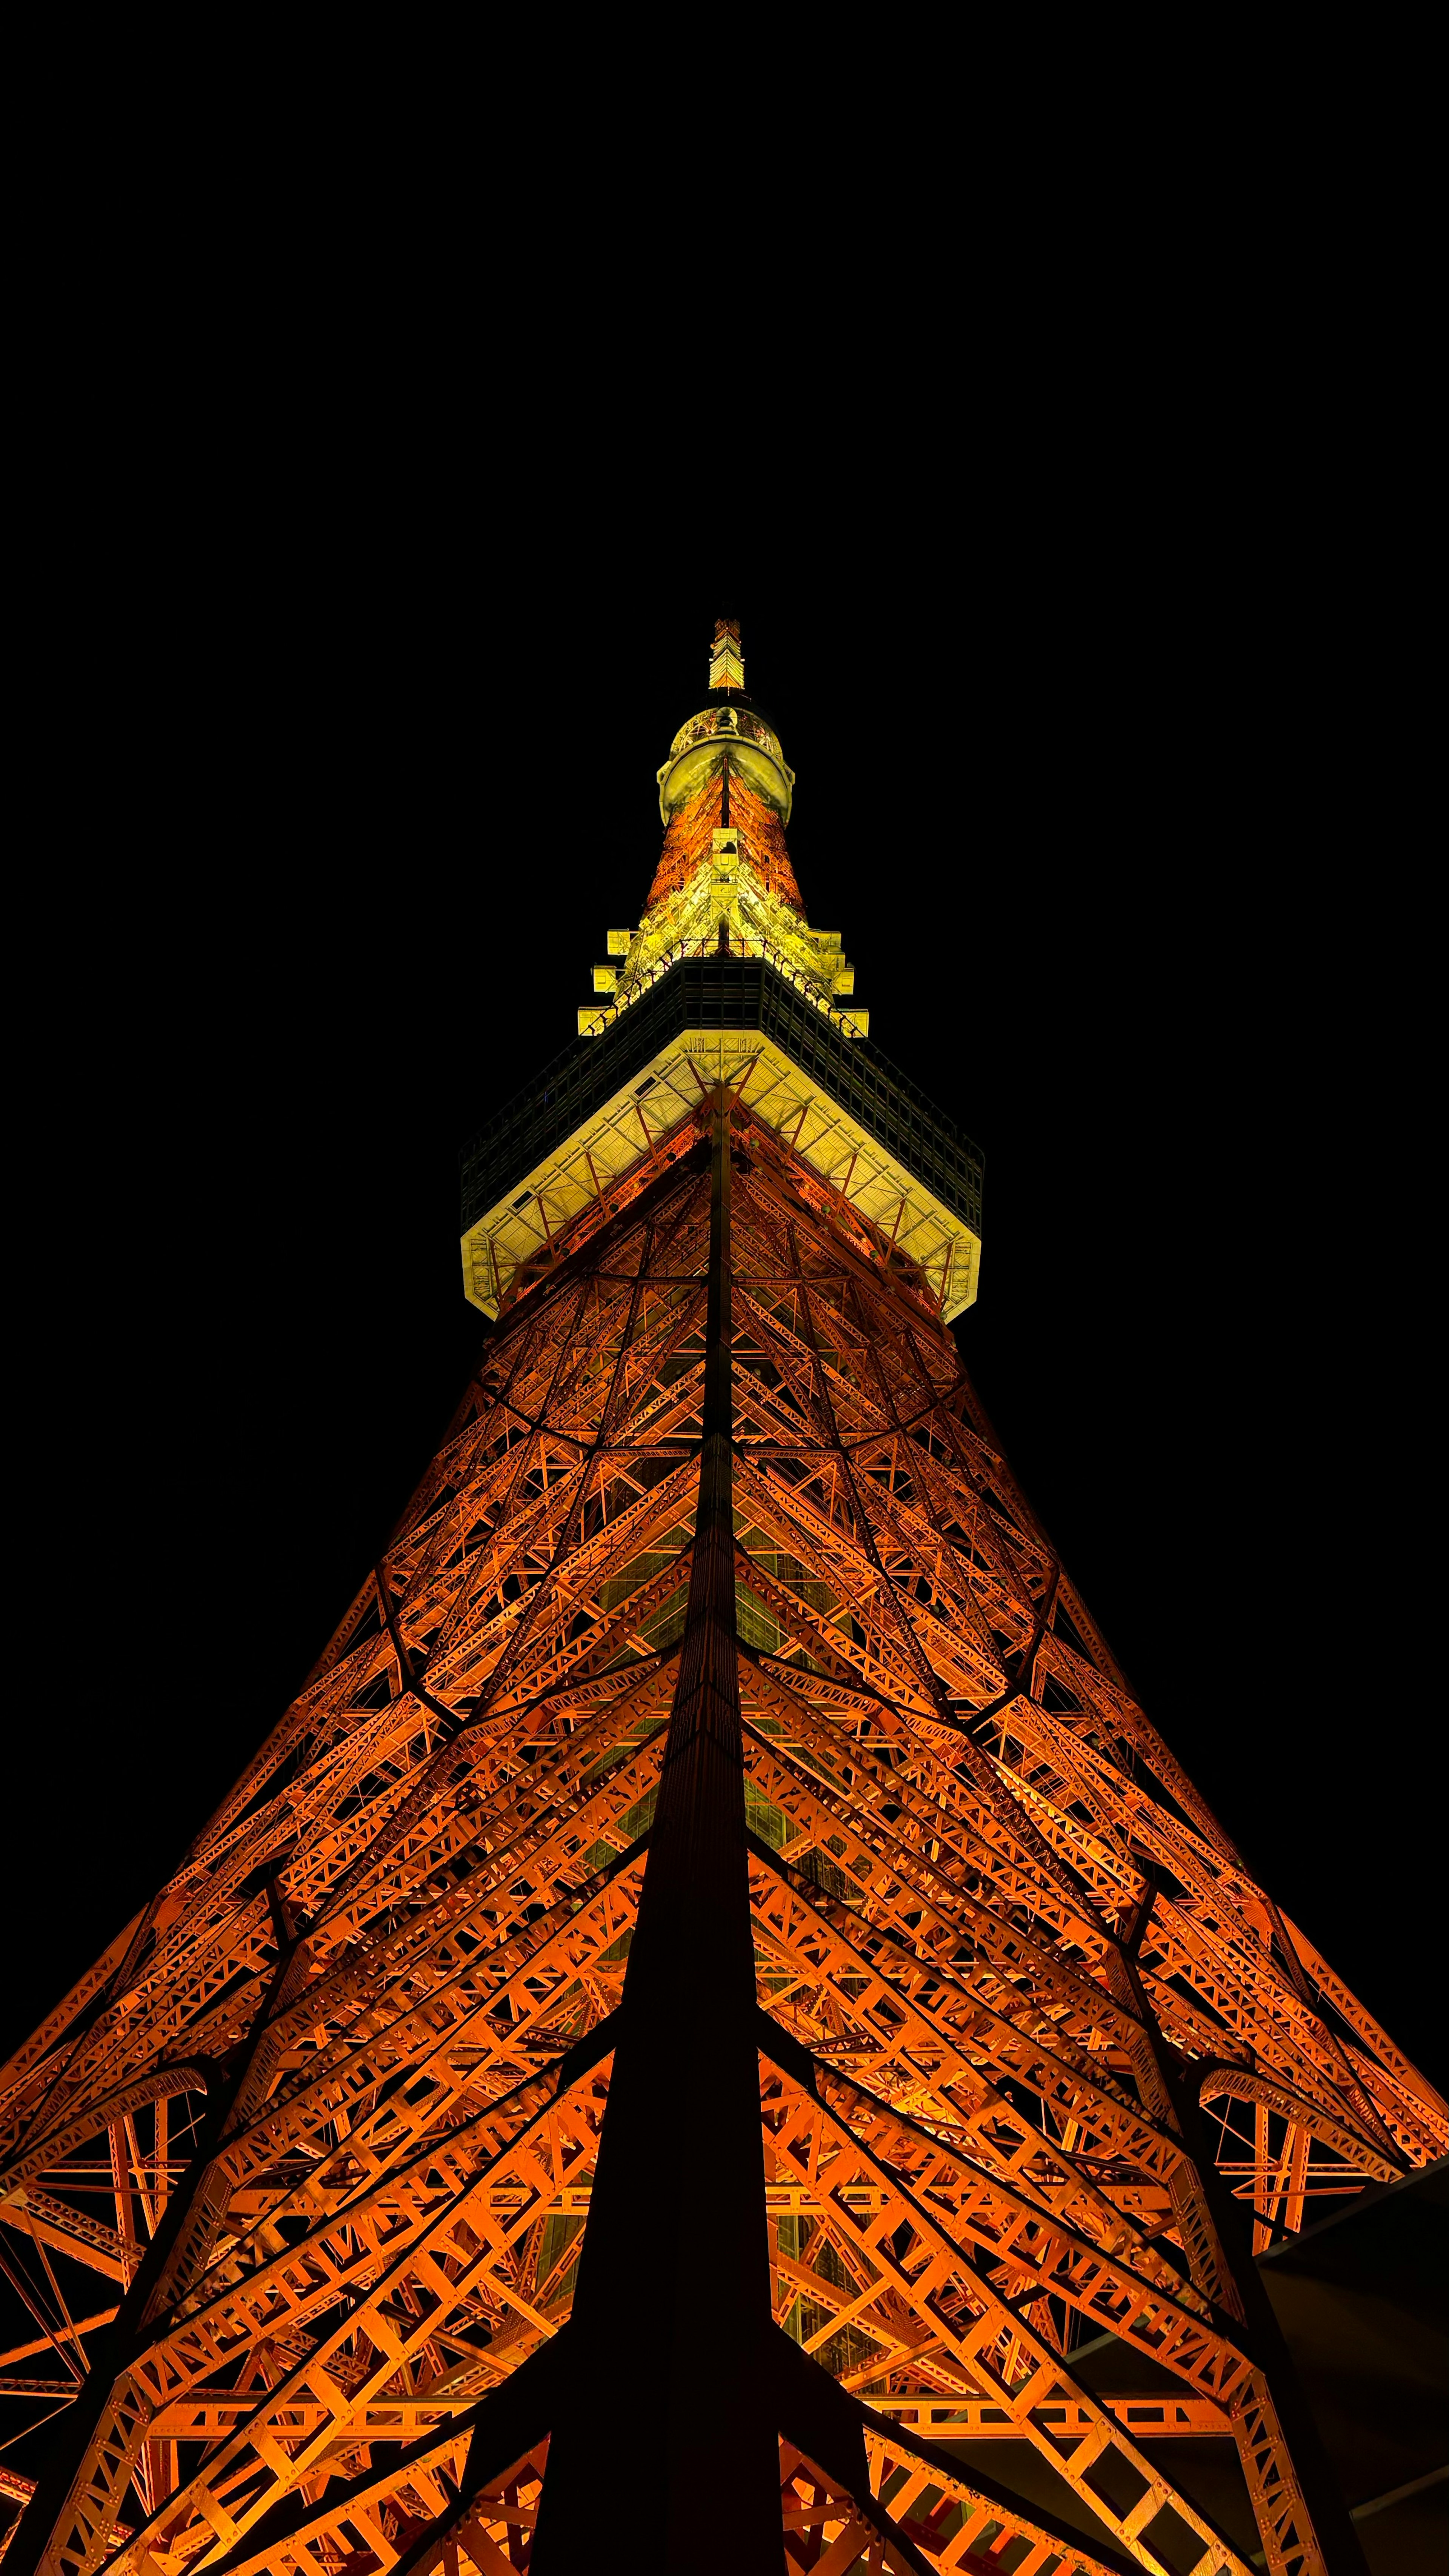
[{"x": 714, "y": 1993}]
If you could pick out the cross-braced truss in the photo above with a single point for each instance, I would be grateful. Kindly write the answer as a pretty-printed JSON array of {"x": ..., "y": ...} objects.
[{"x": 1028, "y": 2038}]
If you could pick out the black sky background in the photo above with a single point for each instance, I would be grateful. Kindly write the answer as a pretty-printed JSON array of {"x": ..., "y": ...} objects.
[{"x": 357, "y": 769}]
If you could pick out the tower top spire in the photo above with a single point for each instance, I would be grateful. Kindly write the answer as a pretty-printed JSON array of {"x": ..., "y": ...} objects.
[{"x": 726, "y": 661}]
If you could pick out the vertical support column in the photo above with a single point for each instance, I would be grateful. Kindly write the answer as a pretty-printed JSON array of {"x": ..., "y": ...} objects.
[{"x": 665, "y": 2446}]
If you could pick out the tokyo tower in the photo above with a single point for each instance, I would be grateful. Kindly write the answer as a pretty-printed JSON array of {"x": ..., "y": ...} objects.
[{"x": 714, "y": 2001}]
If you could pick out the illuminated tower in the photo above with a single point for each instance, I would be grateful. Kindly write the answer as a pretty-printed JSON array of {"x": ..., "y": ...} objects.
[{"x": 714, "y": 1995}]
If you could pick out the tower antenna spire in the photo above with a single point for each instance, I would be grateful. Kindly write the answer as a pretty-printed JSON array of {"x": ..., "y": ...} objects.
[{"x": 726, "y": 661}]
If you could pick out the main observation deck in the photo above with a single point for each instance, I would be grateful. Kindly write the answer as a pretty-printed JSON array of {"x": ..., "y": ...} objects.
[{"x": 860, "y": 1125}]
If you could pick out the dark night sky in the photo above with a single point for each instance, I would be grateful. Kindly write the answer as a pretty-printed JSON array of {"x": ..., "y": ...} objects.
[{"x": 1092, "y": 815}]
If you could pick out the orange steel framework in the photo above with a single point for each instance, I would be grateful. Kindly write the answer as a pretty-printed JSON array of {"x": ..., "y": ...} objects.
[{"x": 715, "y": 1990}]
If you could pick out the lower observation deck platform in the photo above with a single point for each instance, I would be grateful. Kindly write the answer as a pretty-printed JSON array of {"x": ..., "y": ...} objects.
[{"x": 606, "y": 1103}]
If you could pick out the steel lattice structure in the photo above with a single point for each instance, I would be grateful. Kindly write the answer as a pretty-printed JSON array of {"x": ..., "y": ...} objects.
[{"x": 714, "y": 1990}]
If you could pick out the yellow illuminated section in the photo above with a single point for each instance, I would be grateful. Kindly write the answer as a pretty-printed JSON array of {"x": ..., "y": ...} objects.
[
  {"x": 725, "y": 891},
  {"x": 725, "y": 794},
  {"x": 726, "y": 660},
  {"x": 579, "y": 1174}
]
